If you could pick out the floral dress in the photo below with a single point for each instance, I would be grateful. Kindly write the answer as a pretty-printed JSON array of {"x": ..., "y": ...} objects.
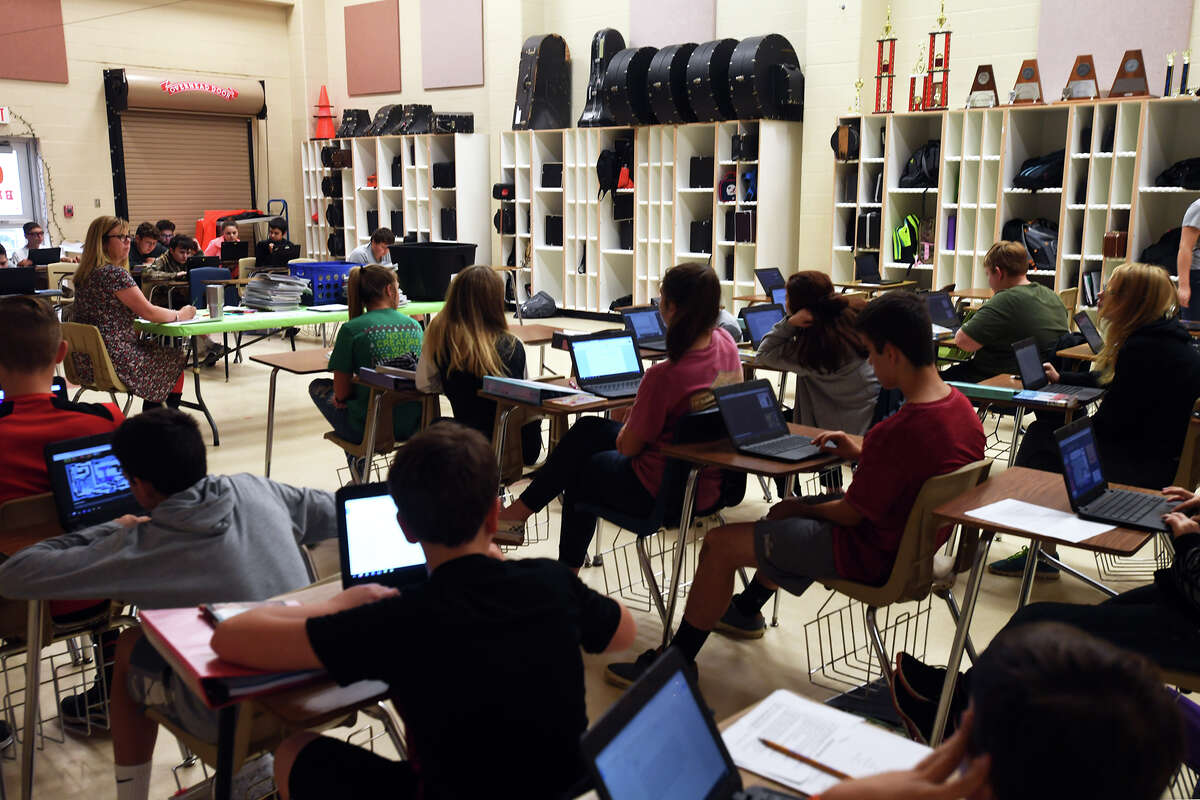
[{"x": 149, "y": 369}]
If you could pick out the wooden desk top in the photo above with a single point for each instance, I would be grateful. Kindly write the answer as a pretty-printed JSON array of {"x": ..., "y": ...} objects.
[
  {"x": 1080, "y": 352},
  {"x": 300, "y": 362},
  {"x": 1044, "y": 489},
  {"x": 720, "y": 453},
  {"x": 875, "y": 288},
  {"x": 1006, "y": 381},
  {"x": 751, "y": 298},
  {"x": 534, "y": 334},
  {"x": 973, "y": 294},
  {"x": 545, "y": 408},
  {"x": 16, "y": 539}
]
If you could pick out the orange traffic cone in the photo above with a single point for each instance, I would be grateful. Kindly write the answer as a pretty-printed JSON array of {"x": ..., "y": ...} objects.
[{"x": 324, "y": 117}]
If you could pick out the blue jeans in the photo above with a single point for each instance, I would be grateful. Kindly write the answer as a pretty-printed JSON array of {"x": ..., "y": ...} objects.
[{"x": 321, "y": 392}]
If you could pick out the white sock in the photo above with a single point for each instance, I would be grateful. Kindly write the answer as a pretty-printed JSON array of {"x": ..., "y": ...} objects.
[{"x": 133, "y": 783}]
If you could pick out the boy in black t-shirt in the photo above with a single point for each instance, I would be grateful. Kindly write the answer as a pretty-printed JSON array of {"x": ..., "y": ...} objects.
[{"x": 482, "y": 660}]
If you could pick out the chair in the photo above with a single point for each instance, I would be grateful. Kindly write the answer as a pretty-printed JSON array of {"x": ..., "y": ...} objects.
[
  {"x": 700, "y": 426},
  {"x": 1070, "y": 299},
  {"x": 198, "y": 279},
  {"x": 86, "y": 340},
  {"x": 1188, "y": 473},
  {"x": 919, "y": 570},
  {"x": 246, "y": 266},
  {"x": 379, "y": 415},
  {"x": 60, "y": 276}
]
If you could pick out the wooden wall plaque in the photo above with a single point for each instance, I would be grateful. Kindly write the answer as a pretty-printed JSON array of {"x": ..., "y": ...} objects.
[
  {"x": 1028, "y": 88},
  {"x": 1131, "y": 76},
  {"x": 983, "y": 92},
  {"x": 1081, "y": 83}
]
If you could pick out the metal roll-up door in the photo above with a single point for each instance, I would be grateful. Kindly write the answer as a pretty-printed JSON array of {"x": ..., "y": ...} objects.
[{"x": 179, "y": 165}]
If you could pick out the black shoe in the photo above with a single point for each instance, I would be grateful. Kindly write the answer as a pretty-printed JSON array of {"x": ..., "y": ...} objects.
[
  {"x": 623, "y": 674},
  {"x": 90, "y": 707},
  {"x": 6, "y": 735},
  {"x": 921, "y": 680},
  {"x": 735, "y": 624}
]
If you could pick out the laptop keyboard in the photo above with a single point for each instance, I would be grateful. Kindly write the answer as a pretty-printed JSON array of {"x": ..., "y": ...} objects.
[
  {"x": 1066, "y": 388},
  {"x": 617, "y": 388},
  {"x": 1124, "y": 504},
  {"x": 776, "y": 446}
]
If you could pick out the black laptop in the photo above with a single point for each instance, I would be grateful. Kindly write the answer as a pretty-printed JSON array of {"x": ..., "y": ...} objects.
[
  {"x": 18, "y": 280},
  {"x": 1033, "y": 375},
  {"x": 760, "y": 319},
  {"x": 1088, "y": 328},
  {"x": 646, "y": 325},
  {"x": 87, "y": 481},
  {"x": 1091, "y": 498},
  {"x": 202, "y": 261},
  {"x": 279, "y": 256},
  {"x": 659, "y": 740},
  {"x": 233, "y": 251},
  {"x": 770, "y": 278},
  {"x": 41, "y": 256},
  {"x": 756, "y": 425},
  {"x": 866, "y": 270},
  {"x": 606, "y": 363},
  {"x": 373, "y": 548},
  {"x": 941, "y": 310}
]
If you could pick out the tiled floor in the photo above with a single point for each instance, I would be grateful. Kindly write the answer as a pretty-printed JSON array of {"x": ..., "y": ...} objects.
[{"x": 732, "y": 674}]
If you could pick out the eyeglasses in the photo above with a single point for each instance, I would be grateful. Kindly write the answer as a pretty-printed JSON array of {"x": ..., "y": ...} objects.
[{"x": 124, "y": 237}]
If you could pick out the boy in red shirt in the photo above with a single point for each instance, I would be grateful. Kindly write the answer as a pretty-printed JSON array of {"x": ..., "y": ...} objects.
[{"x": 858, "y": 535}]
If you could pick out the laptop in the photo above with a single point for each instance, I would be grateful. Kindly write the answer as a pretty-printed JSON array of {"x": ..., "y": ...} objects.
[
  {"x": 760, "y": 319},
  {"x": 941, "y": 310},
  {"x": 202, "y": 261},
  {"x": 646, "y": 325},
  {"x": 232, "y": 251},
  {"x": 18, "y": 280},
  {"x": 779, "y": 296},
  {"x": 756, "y": 425},
  {"x": 1088, "y": 328},
  {"x": 58, "y": 387},
  {"x": 278, "y": 257},
  {"x": 87, "y": 481},
  {"x": 372, "y": 546},
  {"x": 1091, "y": 498},
  {"x": 41, "y": 256},
  {"x": 606, "y": 364},
  {"x": 659, "y": 741},
  {"x": 866, "y": 270},
  {"x": 770, "y": 278},
  {"x": 1033, "y": 376}
]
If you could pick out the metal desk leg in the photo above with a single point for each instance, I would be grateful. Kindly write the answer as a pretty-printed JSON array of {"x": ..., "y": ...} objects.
[
  {"x": 225, "y": 345},
  {"x": 226, "y": 732},
  {"x": 1074, "y": 573},
  {"x": 960, "y": 637},
  {"x": 199, "y": 405},
  {"x": 33, "y": 682},
  {"x": 502, "y": 432},
  {"x": 1018, "y": 415},
  {"x": 270, "y": 420},
  {"x": 369, "y": 436},
  {"x": 1031, "y": 561},
  {"x": 685, "y": 525}
]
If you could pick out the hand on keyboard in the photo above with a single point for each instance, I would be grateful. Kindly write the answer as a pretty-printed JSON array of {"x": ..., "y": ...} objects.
[{"x": 1180, "y": 524}]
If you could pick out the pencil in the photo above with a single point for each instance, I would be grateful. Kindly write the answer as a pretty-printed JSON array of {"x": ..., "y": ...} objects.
[{"x": 805, "y": 760}]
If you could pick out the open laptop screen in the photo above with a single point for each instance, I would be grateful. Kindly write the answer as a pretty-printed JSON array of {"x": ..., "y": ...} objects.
[
  {"x": 645, "y": 324},
  {"x": 760, "y": 320},
  {"x": 1029, "y": 364},
  {"x": 87, "y": 480},
  {"x": 770, "y": 278},
  {"x": 605, "y": 357},
  {"x": 751, "y": 413},
  {"x": 779, "y": 296},
  {"x": 1081, "y": 464},
  {"x": 665, "y": 752},
  {"x": 374, "y": 547},
  {"x": 1088, "y": 329},
  {"x": 941, "y": 309}
]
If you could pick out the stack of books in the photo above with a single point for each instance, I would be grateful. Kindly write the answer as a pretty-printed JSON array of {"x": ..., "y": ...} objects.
[{"x": 271, "y": 292}]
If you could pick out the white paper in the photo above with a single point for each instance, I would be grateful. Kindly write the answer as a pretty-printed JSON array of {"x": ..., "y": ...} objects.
[
  {"x": 836, "y": 739},
  {"x": 938, "y": 330},
  {"x": 1061, "y": 525}
]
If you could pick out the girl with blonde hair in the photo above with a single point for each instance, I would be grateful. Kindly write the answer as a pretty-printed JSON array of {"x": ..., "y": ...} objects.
[{"x": 107, "y": 296}]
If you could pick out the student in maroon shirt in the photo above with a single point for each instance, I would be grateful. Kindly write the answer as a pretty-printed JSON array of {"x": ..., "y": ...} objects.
[{"x": 857, "y": 536}]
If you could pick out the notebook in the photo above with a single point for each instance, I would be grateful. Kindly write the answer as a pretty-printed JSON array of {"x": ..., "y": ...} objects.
[
  {"x": 606, "y": 364},
  {"x": 646, "y": 325},
  {"x": 87, "y": 481},
  {"x": 760, "y": 319},
  {"x": 18, "y": 280},
  {"x": 1088, "y": 328},
  {"x": 756, "y": 425},
  {"x": 1033, "y": 374},
  {"x": 372, "y": 546}
]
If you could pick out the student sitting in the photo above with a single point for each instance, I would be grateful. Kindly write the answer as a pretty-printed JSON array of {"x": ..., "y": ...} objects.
[
  {"x": 376, "y": 332},
  {"x": 3, "y": 257},
  {"x": 227, "y": 231},
  {"x": 208, "y": 538},
  {"x": 857, "y": 536},
  {"x": 170, "y": 265},
  {"x": 276, "y": 239},
  {"x": 166, "y": 231},
  {"x": 375, "y": 251},
  {"x": 602, "y": 461},
  {"x": 146, "y": 246},
  {"x": 835, "y": 385},
  {"x": 468, "y": 339},
  {"x": 1019, "y": 309},
  {"x": 1054, "y": 713},
  {"x": 456, "y": 651},
  {"x": 35, "y": 235}
]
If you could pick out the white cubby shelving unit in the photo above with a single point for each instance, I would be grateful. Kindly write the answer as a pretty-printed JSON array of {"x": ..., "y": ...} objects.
[
  {"x": 413, "y": 205},
  {"x": 593, "y": 268},
  {"x": 1115, "y": 148}
]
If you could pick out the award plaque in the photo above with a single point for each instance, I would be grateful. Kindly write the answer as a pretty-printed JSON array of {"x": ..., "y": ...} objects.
[
  {"x": 1028, "y": 88},
  {"x": 1131, "y": 77},
  {"x": 983, "y": 89},
  {"x": 1082, "y": 84}
]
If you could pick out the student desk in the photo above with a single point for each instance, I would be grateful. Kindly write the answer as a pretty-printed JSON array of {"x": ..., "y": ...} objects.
[
  {"x": 258, "y": 320},
  {"x": 1039, "y": 488},
  {"x": 313, "y": 705},
  {"x": 1006, "y": 381},
  {"x": 721, "y": 454},
  {"x": 871, "y": 289},
  {"x": 751, "y": 299},
  {"x": 297, "y": 362},
  {"x": 429, "y": 411},
  {"x": 536, "y": 336},
  {"x": 1080, "y": 352},
  {"x": 973, "y": 294}
]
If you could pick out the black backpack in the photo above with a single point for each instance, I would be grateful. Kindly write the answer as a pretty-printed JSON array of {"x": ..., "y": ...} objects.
[
  {"x": 1164, "y": 251},
  {"x": 1042, "y": 172},
  {"x": 921, "y": 171},
  {"x": 1185, "y": 174},
  {"x": 1039, "y": 238}
]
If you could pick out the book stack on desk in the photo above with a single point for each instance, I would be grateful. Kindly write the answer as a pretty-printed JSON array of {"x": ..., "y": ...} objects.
[
  {"x": 271, "y": 292},
  {"x": 532, "y": 392}
]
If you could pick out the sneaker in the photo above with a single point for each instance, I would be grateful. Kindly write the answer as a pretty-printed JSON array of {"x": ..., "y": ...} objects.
[
  {"x": 90, "y": 707},
  {"x": 1014, "y": 567},
  {"x": 919, "y": 679},
  {"x": 510, "y": 533},
  {"x": 623, "y": 674},
  {"x": 735, "y": 624},
  {"x": 6, "y": 735}
]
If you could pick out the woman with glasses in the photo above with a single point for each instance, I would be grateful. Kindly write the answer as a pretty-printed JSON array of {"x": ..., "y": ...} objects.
[{"x": 107, "y": 297}]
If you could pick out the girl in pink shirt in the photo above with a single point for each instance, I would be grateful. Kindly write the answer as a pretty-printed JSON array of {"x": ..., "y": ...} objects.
[{"x": 603, "y": 462}]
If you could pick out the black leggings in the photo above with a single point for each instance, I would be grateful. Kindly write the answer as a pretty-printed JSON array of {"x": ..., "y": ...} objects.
[{"x": 585, "y": 467}]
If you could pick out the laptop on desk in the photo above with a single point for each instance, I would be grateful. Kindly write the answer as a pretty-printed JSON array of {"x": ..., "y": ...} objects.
[
  {"x": 1088, "y": 328},
  {"x": 606, "y": 364},
  {"x": 756, "y": 425},
  {"x": 760, "y": 319},
  {"x": 866, "y": 270},
  {"x": 646, "y": 325},
  {"x": 233, "y": 251},
  {"x": 87, "y": 481},
  {"x": 1089, "y": 493},
  {"x": 659, "y": 741},
  {"x": 1033, "y": 376},
  {"x": 941, "y": 310},
  {"x": 770, "y": 278},
  {"x": 202, "y": 261},
  {"x": 265, "y": 256},
  {"x": 371, "y": 544},
  {"x": 779, "y": 296},
  {"x": 41, "y": 256},
  {"x": 18, "y": 280}
]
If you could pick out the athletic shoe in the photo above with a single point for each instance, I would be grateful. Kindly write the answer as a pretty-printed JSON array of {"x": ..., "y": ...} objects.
[
  {"x": 623, "y": 674},
  {"x": 87, "y": 706},
  {"x": 736, "y": 625},
  {"x": 1014, "y": 567},
  {"x": 921, "y": 680},
  {"x": 510, "y": 533},
  {"x": 6, "y": 735}
]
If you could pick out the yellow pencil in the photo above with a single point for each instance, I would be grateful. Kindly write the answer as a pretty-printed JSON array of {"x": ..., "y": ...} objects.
[{"x": 778, "y": 748}]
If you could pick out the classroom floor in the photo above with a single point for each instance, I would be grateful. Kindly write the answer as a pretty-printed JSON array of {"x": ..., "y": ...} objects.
[{"x": 733, "y": 674}]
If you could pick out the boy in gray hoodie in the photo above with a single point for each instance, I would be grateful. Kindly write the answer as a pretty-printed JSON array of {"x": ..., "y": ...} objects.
[{"x": 208, "y": 538}]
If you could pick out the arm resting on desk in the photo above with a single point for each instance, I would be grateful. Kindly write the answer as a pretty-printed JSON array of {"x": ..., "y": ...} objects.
[
  {"x": 136, "y": 302},
  {"x": 965, "y": 343}
]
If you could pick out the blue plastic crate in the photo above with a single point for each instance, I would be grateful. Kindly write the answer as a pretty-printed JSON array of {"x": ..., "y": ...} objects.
[{"x": 328, "y": 279}]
